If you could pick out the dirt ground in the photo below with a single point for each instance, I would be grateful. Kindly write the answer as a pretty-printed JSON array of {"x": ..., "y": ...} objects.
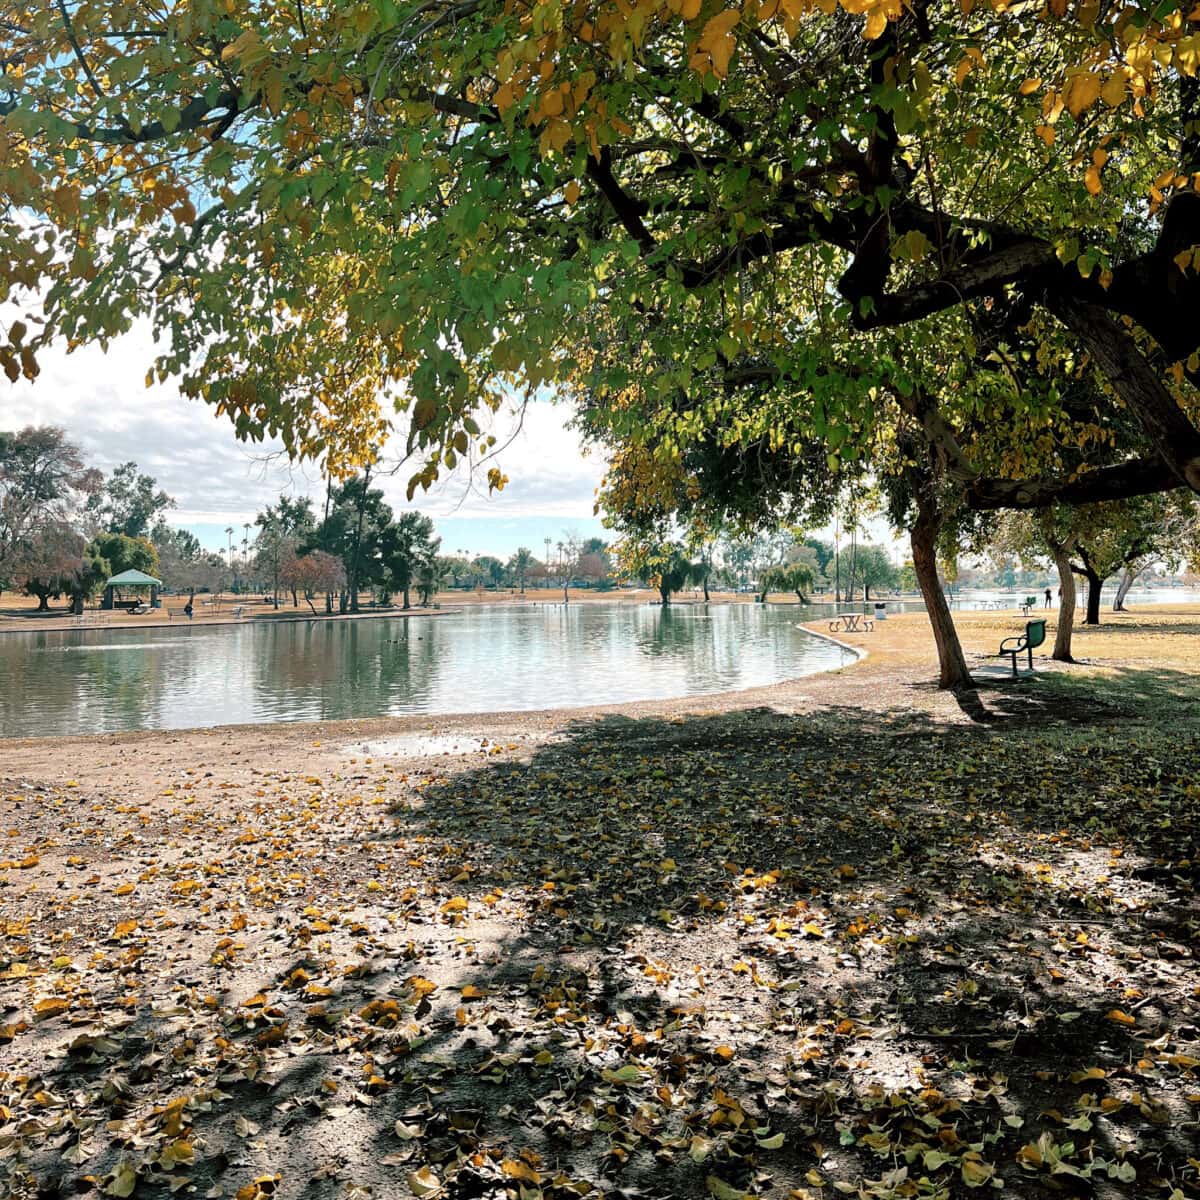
[{"x": 847, "y": 935}]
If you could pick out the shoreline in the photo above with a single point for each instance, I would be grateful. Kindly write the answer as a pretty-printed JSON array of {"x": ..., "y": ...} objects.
[
  {"x": 67, "y": 624},
  {"x": 895, "y": 668},
  {"x": 447, "y": 603}
]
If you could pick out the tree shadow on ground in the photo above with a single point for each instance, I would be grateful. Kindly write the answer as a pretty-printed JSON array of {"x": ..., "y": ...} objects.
[{"x": 751, "y": 953}]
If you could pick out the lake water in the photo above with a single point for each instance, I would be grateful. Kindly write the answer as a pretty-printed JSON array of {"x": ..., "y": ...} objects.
[{"x": 541, "y": 656}]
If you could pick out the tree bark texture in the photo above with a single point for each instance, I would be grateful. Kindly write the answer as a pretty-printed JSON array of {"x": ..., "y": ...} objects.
[{"x": 952, "y": 666}]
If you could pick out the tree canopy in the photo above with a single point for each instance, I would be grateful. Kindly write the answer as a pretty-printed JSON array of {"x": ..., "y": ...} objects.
[
  {"x": 793, "y": 224},
  {"x": 130, "y": 502}
]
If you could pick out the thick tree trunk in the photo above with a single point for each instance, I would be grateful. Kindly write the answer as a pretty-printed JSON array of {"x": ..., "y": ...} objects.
[
  {"x": 706, "y": 589},
  {"x": 802, "y": 597},
  {"x": 666, "y": 596},
  {"x": 77, "y": 605},
  {"x": 1066, "y": 605},
  {"x": 1095, "y": 583},
  {"x": 406, "y": 602},
  {"x": 43, "y": 603},
  {"x": 952, "y": 666},
  {"x": 1127, "y": 578},
  {"x": 1133, "y": 378}
]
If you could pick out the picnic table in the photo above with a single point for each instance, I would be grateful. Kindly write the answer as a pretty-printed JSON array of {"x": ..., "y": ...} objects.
[{"x": 851, "y": 622}]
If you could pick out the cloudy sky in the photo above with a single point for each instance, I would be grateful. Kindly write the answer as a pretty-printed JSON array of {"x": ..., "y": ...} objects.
[{"x": 217, "y": 481}]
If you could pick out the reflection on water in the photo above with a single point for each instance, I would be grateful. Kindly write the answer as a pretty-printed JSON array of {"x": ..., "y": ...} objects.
[{"x": 543, "y": 656}]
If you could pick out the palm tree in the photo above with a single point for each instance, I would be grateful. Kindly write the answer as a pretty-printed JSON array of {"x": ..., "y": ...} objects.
[
  {"x": 520, "y": 564},
  {"x": 429, "y": 580}
]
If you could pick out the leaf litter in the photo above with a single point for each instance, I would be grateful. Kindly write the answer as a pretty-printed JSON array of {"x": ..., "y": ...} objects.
[{"x": 744, "y": 955}]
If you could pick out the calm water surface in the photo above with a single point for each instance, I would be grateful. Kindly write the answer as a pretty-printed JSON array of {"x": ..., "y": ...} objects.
[{"x": 105, "y": 680}]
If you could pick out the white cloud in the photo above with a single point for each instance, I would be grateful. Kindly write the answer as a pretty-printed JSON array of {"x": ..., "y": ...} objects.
[{"x": 102, "y": 401}]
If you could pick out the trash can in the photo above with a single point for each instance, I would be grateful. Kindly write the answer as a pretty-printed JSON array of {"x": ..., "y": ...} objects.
[{"x": 880, "y": 610}]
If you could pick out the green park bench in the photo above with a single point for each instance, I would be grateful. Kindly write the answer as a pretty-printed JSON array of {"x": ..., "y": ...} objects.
[{"x": 1034, "y": 636}]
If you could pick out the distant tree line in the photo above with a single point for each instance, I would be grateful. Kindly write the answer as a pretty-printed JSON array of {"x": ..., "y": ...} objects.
[{"x": 66, "y": 529}]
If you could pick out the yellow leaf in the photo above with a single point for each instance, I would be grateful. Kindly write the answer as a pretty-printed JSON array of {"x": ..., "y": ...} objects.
[
  {"x": 423, "y": 1182},
  {"x": 1082, "y": 91},
  {"x": 1121, "y": 1018},
  {"x": 43, "y": 1010},
  {"x": 690, "y": 10},
  {"x": 1113, "y": 91},
  {"x": 1029, "y": 1156},
  {"x": 1091, "y": 181},
  {"x": 1029, "y": 87},
  {"x": 718, "y": 27},
  {"x": 515, "y": 1169},
  {"x": 721, "y": 53},
  {"x": 724, "y": 1052},
  {"x": 876, "y": 23},
  {"x": 126, "y": 889},
  {"x": 238, "y": 47},
  {"x": 455, "y": 904},
  {"x": 975, "y": 1173},
  {"x": 571, "y": 192},
  {"x": 962, "y": 70}
]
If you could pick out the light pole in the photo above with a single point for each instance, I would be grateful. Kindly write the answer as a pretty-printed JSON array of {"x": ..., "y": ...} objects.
[
  {"x": 837, "y": 560},
  {"x": 229, "y": 534}
]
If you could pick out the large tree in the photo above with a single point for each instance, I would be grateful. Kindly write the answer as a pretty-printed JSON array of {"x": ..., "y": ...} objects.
[
  {"x": 874, "y": 569},
  {"x": 43, "y": 485},
  {"x": 282, "y": 528},
  {"x": 124, "y": 553},
  {"x": 352, "y": 531},
  {"x": 130, "y": 502},
  {"x": 406, "y": 546},
  {"x": 50, "y": 559},
  {"x": 320, "y": 203}
]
